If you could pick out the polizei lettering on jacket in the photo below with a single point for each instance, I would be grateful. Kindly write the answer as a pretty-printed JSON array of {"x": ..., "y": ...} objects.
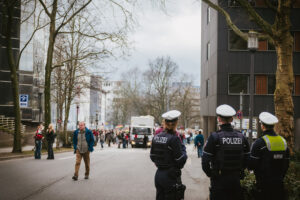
[
  {"x": 232, "y": 140},
  {"x": 162, "y": 140}
]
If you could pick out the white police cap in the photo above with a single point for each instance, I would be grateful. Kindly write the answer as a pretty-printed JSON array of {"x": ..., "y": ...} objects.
[
  {"x": 267, "y": 118},
  {"x": 225, "y": 111},
  {"x": 171, "y": 115}
]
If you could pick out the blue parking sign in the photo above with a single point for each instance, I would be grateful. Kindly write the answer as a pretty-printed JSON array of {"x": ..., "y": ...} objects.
[{"x": 24, "y": 100}]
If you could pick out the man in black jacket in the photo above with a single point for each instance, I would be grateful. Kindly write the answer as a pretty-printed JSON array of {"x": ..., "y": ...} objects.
[
  {"x": 169, "y": 155},
  {"x": 225, "y": 157}
]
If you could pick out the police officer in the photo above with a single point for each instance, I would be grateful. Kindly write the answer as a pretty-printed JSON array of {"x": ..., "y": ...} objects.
[
  {"x": 269, "y": 159},
  {"x": 225, "y": 157},
  {"x": 169, "y": 155}
]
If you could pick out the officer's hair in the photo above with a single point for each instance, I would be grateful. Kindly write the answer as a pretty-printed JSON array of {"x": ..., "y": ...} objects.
[
  {"x": 226, "y": 120},
  {"x": 171, "y": 125},
  {"x": 268, "y": 127}
]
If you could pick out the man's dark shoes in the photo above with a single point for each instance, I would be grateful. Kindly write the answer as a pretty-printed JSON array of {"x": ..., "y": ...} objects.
[
  {"x": 86, "y": 177},
  {"x": 75, "y": 178}
]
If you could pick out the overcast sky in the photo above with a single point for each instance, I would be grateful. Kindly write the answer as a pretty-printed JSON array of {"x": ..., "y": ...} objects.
[{"x": 176, "y": 34}]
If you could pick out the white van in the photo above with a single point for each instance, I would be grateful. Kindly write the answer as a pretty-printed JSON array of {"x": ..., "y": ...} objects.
[{"x": 141, "y": 127}]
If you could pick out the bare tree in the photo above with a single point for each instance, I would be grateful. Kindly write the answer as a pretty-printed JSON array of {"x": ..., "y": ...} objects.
[
  {"x": 158, "y": 80},
  {"x": 277, "y": 33},
  {"x": 60, "y": 15},
  {"x": 184, "y": 101}
]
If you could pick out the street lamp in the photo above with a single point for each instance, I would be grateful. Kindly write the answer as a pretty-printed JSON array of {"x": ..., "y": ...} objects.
[
  {"x": 252, "y": 46},
  {"x": 77, "y": 111},
  {"x": 96, "y": 120},
  {"x": 40, "y": 93}
]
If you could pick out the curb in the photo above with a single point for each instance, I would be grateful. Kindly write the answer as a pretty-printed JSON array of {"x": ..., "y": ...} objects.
[{"x": 27, "y": 156}]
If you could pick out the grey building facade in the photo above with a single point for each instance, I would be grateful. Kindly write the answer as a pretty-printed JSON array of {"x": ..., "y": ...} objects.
[
  {"x": 225, "y": 64},
  {"x": 29, "y": 81}
]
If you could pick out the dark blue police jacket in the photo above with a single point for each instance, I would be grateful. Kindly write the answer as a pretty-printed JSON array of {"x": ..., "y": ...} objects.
[{"x": 89, "y": 139}]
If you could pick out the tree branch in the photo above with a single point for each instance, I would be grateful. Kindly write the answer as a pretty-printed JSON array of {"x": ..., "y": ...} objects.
[
  {"x": 31, "y": 37},
  {"x": 265, "y": 26},
  {"x": 228, "y": 19},
  {"x": 71, "y": 17},
  {"x": 45, "y": 8},
  {"x": 270, "y": 5},
  {"x": 79, "y": 58},
  {"x": 30, "y": 13}
]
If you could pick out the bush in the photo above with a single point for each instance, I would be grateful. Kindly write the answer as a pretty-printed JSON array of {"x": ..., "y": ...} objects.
[
  {"x": 69, "y": 140},
  {"x": 291, "y": 181},
  {"x": 248, "y": 185}
]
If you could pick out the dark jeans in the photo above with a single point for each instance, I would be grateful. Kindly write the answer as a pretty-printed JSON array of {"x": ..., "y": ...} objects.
[
  {"x": 164, "y": 184},
  {"x": 101, "y": 142},
  {"x": 200, "y": 151},
  {"x": 124, "y": 143},
  {"x": 50, "y": 151},
  {"x": 226, "y": 187},
  {"x": 38, "y": 147}
]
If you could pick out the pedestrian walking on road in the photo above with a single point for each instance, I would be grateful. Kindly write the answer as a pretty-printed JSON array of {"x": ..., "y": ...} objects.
[
  {"x": 269, "y": 159},
  {"x": 199, "y": 143},
  {"x": 225, "y": 157},
  {"x": 145, "y": 141},
  {"x": 120, "y": 138},
  {"x": 169, "y": 155},
  {"x": 50, "y": 136},
  {"x": 83, "y": 142},
  {"x": 102, "y": 139},
  {"x": 38, "y": 141}
]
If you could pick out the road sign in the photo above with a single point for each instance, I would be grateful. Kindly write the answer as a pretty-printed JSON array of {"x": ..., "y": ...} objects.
[
  {"x": 24, "y": 100},
  {"x": 239, "y": 114}
]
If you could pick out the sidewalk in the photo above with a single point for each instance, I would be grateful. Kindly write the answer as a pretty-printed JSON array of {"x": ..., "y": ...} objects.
[
  {"x": 27, "y": 151},
  {"x": 9, "y": 149}
]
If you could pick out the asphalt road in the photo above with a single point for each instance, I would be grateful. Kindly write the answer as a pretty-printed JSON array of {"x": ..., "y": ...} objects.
[{"x": 123, "y": 174}]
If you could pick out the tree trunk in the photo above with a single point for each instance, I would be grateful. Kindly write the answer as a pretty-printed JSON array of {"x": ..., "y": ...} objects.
[
  {"x": 283, "y": 100},
  {"x": 48, "y": 67},
  {"x": 9, "y": 10}
]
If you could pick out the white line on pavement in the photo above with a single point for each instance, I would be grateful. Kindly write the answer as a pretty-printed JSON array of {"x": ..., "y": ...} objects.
[{"x": 65, "y": 158}]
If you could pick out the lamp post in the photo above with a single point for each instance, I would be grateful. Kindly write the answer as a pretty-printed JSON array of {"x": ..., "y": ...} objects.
[
  {"x": 96, "y": 120},
  {"x": 252, "y": 46},
  {"x": 77, "y": 112},
  {"x": 40, "y": 93}
]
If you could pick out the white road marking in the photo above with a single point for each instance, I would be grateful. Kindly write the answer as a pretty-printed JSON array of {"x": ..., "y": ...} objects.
[{"x": 65, "y": 158}]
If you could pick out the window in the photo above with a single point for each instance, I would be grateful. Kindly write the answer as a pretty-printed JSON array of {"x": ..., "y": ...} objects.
[
  {"x": 297, "y": 41},
  {"x": 271, "y": 84},
  {"x": 265, "y": 84},
  {"x": 260, "y": 3},
  {"x": 207, "y": 82},
  {"x": 261, "y": 84},
  {"x": 271, "y": 47},
  {"x": 297, "y": 85},
  {"x": 208, "y": 15},
  {"x": 236, "y": 42},
  {"x": 262, "y": 45},
  {"x": 208, "y": 51},
  {"x": 233, "y": 3},
  {"x": 296, "y": 4},
  {"x": 238, "y": 83}
]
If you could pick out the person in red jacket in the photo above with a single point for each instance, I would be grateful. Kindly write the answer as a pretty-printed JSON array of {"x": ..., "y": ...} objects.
[{"x": 38, "y": 141}]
